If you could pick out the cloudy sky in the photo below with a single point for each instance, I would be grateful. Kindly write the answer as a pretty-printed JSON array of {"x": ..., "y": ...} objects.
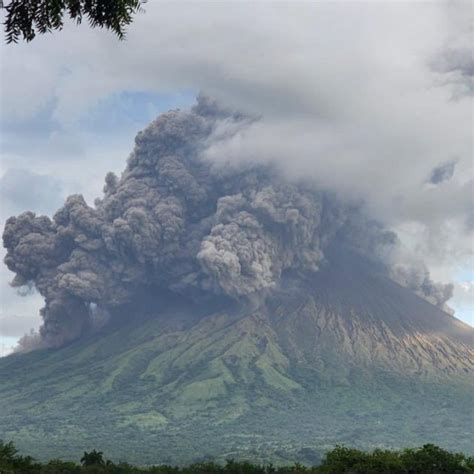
[{"x": 373, "y": 100}]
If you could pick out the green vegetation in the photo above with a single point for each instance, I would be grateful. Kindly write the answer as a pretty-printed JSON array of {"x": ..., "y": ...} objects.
[
  {"x": 146, "y": 393},
  {"x": 26, "y": 18},
  {"x": 429, "y": 459}
]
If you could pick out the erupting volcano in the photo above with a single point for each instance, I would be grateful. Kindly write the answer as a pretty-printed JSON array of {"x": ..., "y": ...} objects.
[{"x": 231, "y": 308}]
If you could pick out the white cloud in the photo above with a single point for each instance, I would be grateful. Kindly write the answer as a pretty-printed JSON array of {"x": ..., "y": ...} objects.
[{"x": 346, "y": 88}]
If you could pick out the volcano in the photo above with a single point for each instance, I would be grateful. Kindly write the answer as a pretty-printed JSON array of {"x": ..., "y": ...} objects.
[
  {"x": 350, "y": 357},
  {"x": 206, "y": 312}
]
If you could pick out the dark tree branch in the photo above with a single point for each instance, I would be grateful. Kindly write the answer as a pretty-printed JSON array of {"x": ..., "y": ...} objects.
[{"x": 26, "y": 18}]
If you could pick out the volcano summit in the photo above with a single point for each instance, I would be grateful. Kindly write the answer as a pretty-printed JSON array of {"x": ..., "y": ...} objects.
[{"x": 209, "y": 310}]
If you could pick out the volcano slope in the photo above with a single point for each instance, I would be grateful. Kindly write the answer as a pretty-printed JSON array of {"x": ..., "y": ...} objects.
[
  {"x": 350, "y": 357},
  {"x": 199, "y": 311}
]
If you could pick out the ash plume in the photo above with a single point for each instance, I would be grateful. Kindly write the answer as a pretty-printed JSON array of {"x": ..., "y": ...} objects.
[{"x": 176, "y": 222}]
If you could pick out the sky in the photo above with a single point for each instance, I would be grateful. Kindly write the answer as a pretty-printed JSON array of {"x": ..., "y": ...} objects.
[{"x": 372, "y": 100}]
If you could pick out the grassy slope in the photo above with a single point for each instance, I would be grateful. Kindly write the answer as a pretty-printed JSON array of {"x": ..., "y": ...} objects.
[{"x": 225, "y": 388}]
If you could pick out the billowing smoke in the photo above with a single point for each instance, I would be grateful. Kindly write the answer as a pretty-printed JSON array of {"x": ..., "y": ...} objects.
[
  {"x": 417, "y": 278},
  {"x": 176, "y": 222}
]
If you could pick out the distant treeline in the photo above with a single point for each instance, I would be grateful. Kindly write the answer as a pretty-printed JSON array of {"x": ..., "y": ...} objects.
[{"x": 429, "y": 459}]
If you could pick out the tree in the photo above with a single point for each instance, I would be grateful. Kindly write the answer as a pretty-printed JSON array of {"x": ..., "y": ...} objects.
[
  {"x": 10, "y": 459},
  {"x": 342, "y": 459},
  {"x": 8, "y": 456},
  {"x": 433, "y": 459},
  {"x": 26, "y": 18},
  {"x": 8, "y": 451},
  {"x": 93, "y": 458}
]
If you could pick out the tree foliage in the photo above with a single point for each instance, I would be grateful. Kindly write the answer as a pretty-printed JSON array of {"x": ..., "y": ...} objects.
[
  {"x": 94, "y": 458},
  {"x": 429, "y": 459},
  {"x": 26, "y": 18}
]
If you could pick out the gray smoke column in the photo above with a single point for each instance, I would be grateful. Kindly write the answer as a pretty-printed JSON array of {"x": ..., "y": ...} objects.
[{"x": 175, "y": 222}]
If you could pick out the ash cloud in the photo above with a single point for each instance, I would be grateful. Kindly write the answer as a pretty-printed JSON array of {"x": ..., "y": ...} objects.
[{"x": 175, "y": 221}]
